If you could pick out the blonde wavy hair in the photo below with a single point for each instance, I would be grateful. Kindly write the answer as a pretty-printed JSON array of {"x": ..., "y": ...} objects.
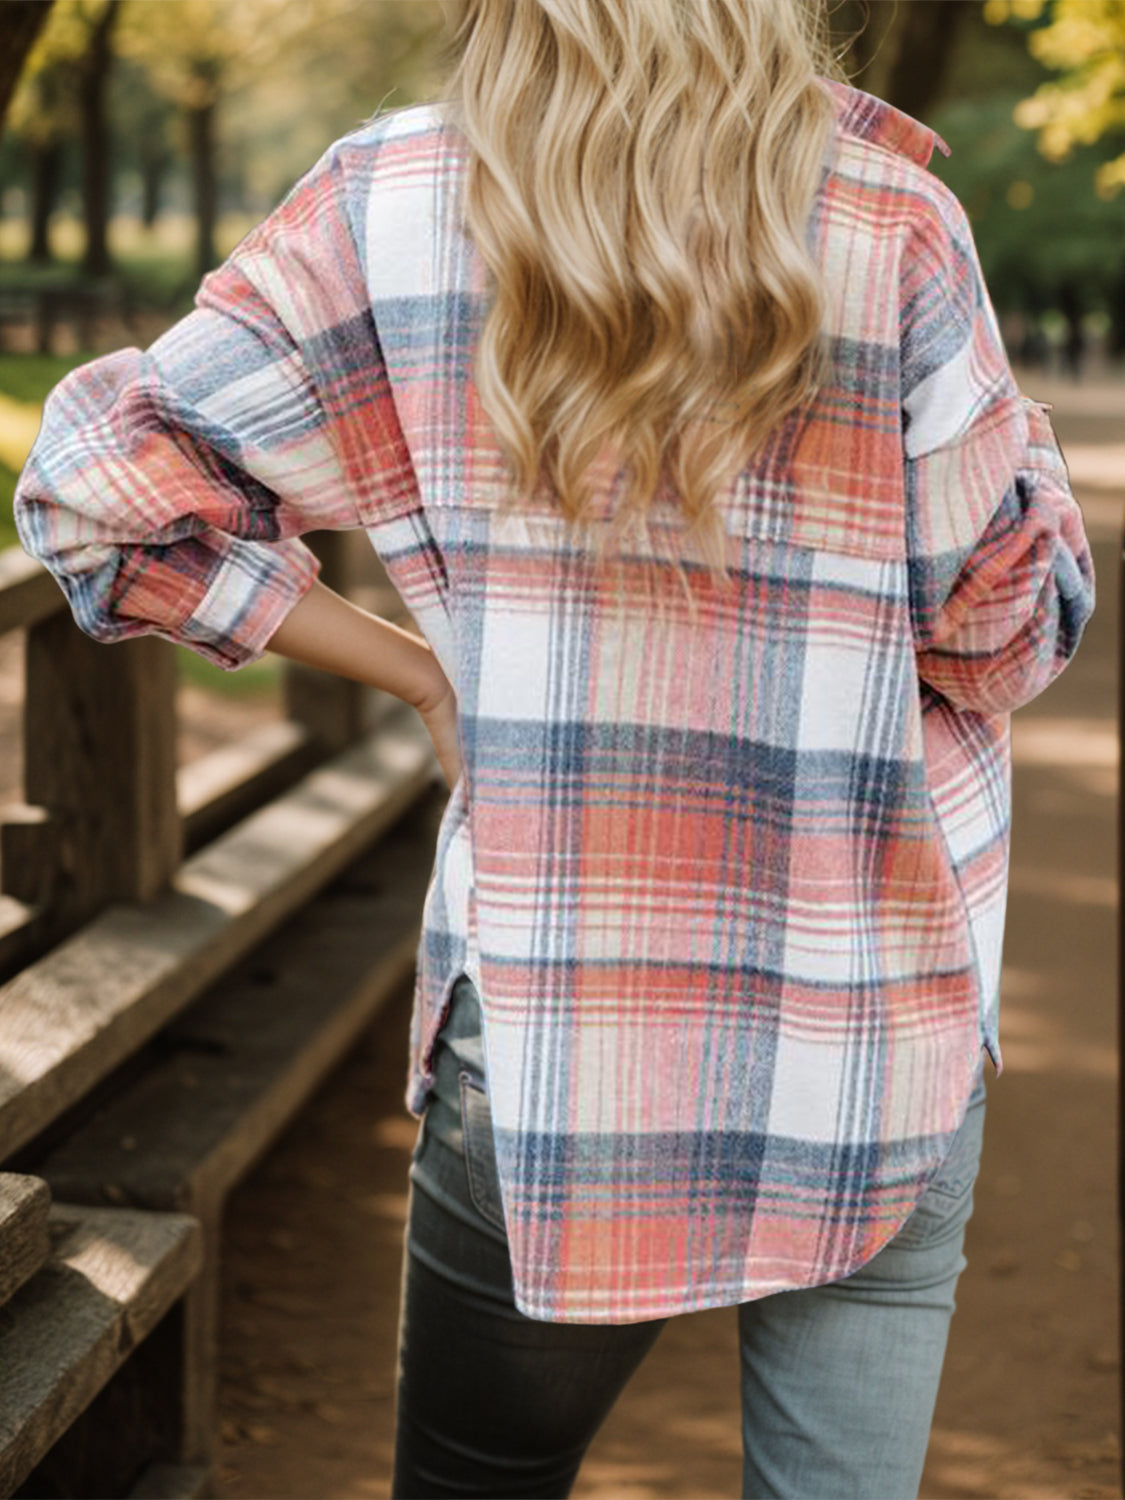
[{"x": 639, "y": 183}]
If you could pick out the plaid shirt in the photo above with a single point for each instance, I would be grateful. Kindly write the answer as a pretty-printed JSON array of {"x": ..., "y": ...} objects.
[{"x": 732, "y": 891}]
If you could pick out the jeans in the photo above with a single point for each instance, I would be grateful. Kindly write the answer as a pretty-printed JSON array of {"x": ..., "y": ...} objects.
[{"x": 838, "y": 1382}]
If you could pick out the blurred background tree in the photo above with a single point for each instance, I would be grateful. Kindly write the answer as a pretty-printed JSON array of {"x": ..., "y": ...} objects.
[
  {"x": 1083, "y": 43},
  {"x": 200, "y": 97},
  {"x": 901, "y": 53},
  {"x": 23, "y": 21},
  {"x": 1084, "y": 40},
  {"x": 60, "y": 101},
  {"x": 146, "y": 136},
  {"x": 203, "y": 56},
  {"x": 193, "y": 53},
  {"x": 1036, "y": 159}
]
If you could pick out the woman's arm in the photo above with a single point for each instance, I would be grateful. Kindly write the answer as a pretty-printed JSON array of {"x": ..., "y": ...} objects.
[
  {"x": 325, "y": 630},
  {"x": 1001, "y": 574},
  {"x": 999, "y": 631}
]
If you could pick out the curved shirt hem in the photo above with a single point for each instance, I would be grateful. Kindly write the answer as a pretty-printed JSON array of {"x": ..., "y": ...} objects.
[{"x": 717, "y": 1292}]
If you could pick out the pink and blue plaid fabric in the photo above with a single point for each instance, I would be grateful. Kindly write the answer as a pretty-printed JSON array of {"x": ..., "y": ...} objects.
[{"x": 732, "y": 889}]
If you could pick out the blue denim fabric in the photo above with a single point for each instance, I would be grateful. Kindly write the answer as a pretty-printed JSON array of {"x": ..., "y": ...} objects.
[{"x": 838, "y": 1382}]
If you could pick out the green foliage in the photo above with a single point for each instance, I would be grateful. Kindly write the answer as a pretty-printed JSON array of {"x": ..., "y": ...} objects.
[
  {"x": 8, "y": 537},
  {"x": 1039, "y": 226},
  {"x": 290, "y": 76},
  {"x": 157, "y": 280},
  {"x": 45, "y": 104},
  {"x": 990, "y": 62},
  {"x": 31, "y": 377},
  {"x": 1083, "y": 41},
  {"x": 258, "y": 678},
  {"x": 55, "y": 274}
]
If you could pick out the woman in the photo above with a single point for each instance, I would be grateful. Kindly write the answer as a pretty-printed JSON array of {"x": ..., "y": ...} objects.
[{"x": 661, "y": 373}]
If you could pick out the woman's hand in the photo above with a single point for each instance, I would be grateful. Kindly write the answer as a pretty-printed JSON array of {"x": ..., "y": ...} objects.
[{"x": 439, "y": 714}]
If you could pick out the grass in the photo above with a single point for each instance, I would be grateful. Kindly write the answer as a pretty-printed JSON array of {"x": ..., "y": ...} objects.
[
  {"x": 8, "y": 537},
  {"x": 30, "y": 378},
  {"x": 259, "y": 678}
]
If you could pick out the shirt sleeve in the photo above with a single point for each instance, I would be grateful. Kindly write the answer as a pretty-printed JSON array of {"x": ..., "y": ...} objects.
[
  {"x": 1001, "y": 575},
  {"x": 168, "y": 489}
]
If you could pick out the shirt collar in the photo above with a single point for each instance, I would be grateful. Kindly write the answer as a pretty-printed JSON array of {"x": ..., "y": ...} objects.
[{"x": 873, "y": 119}]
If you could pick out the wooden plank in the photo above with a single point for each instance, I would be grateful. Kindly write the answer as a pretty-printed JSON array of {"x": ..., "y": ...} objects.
[
  {"x": 34, "y": 850},
  {"x": 25, "y": 935},
  {"x": 24, "y": 1243},
  {"x": 247, "y": 1055},
  {"x": 73, "y": 1016},
  {"x": 228, "y": 783},
  {"x": 197, "y": 1376},
  {"x": 28, "y": 593},
  {"x": 215, "y": 790},
  {"x": 134, "y": 1420},
  {"x": 111, "y": 1276}
]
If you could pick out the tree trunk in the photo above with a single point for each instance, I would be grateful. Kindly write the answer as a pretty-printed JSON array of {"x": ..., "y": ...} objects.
[
  {"x": 926, "y": 40},
  {"x": 900, "y": 53},
  {"x": 868, "y": 30},
  {"x": 96, "y": 67},
  {"x": 201, "y": 134},
  {"x": 23, "y": 21},
  {"x": 46, "y": 161},
  {"x": 154, "y": 162}
]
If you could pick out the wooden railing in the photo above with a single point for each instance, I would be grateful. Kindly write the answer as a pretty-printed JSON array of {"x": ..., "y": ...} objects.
[
  {"x": 75, "y": 306},
  {"x": 185, "y": 953}
]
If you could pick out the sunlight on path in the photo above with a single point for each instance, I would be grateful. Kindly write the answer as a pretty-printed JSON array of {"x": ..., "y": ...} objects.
[{"x": 1099, "y": 465}]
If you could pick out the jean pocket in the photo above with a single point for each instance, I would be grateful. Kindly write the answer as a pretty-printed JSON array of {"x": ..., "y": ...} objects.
[
  {"x": 959, "y": 1170},
  {"x": 480, "y": 1152},
  {"x": 416, "y": 1149},
  {"x": 946, "y": 1204}
]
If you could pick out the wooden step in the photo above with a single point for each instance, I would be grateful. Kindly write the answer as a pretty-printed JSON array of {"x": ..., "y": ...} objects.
[
  {"x": 24, "y": 1241},
  {"x": 111, "y": 1275}
]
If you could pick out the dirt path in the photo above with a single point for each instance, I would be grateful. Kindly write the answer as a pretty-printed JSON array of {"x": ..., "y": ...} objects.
[{"x": 1029, "y": 1403}]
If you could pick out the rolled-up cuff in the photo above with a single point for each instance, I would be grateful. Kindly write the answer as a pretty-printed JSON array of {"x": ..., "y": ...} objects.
[{"x": 254, "y": 589}]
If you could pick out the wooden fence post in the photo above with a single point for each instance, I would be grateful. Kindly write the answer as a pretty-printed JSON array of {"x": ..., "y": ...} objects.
[{"x": 102, "y": 823}]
